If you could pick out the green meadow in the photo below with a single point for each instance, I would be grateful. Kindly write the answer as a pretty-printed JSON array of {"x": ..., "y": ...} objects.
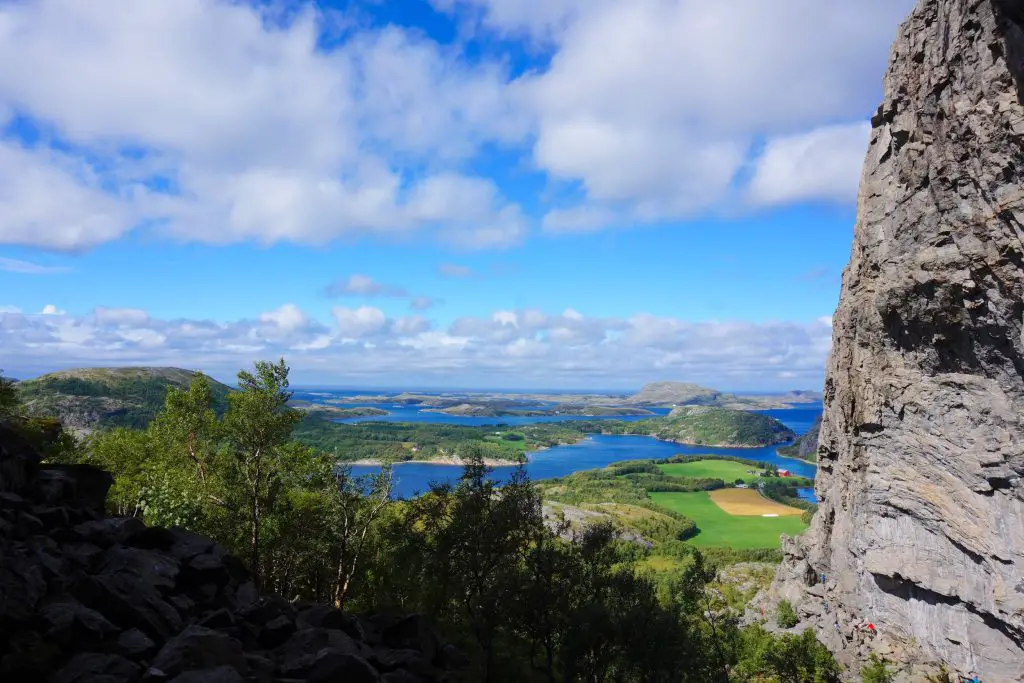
[
  {"x": 718, "y": 528},
  {"x": 726, "y": 470}
]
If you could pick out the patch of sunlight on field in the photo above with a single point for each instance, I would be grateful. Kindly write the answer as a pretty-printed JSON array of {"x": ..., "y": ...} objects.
[{"x": 747, "y": 502}]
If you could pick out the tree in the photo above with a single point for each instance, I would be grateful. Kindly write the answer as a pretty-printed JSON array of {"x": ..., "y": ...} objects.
[
  {"x": 787, "y": 658},
  {"x": 189, "y": 422},
  {"x": 257, "y": 425},
  {"x": 9, "y": 403},
  {"x": 358, "y": 503}
]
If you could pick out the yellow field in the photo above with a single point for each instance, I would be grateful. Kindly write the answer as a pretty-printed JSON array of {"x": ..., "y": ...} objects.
[{"x": 749, "y": 503}]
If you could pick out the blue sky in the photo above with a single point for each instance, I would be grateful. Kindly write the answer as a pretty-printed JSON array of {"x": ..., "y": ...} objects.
[{"x": 499, "y": 193}]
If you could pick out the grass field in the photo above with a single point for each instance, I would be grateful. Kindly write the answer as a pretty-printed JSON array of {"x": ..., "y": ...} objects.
[
  {"x": 748, "y": 502},
  {"x": 719, "y": 528},
  {"x": 726, "y": 470}
]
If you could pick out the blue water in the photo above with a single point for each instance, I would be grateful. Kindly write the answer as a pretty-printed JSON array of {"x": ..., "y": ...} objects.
[
  {"x": 599, "y": 451},
  {"x": 407, "y": 413}
]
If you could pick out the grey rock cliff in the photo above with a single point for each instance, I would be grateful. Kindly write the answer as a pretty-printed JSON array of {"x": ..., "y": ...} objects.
[{"x": 921, "y": 455}]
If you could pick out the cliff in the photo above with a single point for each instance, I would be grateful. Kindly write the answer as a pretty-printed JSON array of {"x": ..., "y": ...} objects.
[{"x": 920, "y": 528}]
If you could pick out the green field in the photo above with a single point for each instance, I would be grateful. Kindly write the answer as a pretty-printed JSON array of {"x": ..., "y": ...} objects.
[
  {"x": 718, "y": 528},
  {"x": 726, "y": 470}
]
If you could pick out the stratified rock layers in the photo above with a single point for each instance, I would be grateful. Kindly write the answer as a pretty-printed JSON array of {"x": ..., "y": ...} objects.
[{"x": 920, "y": 530}]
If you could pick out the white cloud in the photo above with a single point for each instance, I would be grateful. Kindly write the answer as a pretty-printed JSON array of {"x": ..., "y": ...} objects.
[
  {"x": 9, "y": 309},
  {"x": 355, "y": 323},
  {"x": 120, "y": 316},
  {"x": 365, "y": 346},
  {"x": 653, "y": 105},
  {"x": 262, "y": 134},
  {"x": 50, "y": 309},
  {"x": 17, "y": 266},
  {"x": 287, "y": 318},
  {"x": 52, "y": 200},
  {"x": 824, "y": 163},
  {"x": 216, "y": 121},
  {"x": 364, "y": 285},
  {"x": 410, "y": 326}
]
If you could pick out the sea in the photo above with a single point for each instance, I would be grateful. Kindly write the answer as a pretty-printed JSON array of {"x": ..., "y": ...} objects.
[{"x": 595, "y": 451}]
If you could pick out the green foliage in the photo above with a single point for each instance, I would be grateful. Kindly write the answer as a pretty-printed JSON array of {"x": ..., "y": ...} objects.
[
  {"x": 785, "y": 614},
  {"x": 8, "y": 397},
  {"x": 477, "y": 559},
  {"x": 876, "y": 671},
  {"x": 787, "y": 658}
]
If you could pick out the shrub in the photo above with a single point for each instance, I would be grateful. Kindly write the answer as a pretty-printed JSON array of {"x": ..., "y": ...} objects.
[
  {"x": 786, "y": 615},
  {"x": 876, "y": 671}
]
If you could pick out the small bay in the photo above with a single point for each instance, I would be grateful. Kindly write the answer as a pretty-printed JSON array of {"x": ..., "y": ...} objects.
[{"x": 595, "y": 451}]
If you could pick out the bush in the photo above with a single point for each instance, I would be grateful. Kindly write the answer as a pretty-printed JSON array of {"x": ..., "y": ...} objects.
[
  {"x": 786, "y": 615},
  {"x": 876, "y": 671}
]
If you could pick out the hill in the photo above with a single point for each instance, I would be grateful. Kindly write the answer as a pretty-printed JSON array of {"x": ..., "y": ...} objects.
[
  {"x": 806, "y": 446},
  {"x": 687, "y": 394},
  {"x": 87, "y": 398},
  {"x": 679, "y": 393},
  {"x": 708, "y": 426}
]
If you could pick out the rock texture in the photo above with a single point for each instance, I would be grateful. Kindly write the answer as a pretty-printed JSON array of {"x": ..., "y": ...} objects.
[
  {"x": 921, "y": 524},
  {"x": 85, "y": 597}
]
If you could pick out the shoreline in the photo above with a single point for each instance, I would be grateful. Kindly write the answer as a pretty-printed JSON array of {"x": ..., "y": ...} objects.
[{"x": 452, "y": 461}]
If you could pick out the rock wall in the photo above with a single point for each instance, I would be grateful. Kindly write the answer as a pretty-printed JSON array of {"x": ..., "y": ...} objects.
[
  {"x": 84, "y": 597},
  {"x": 920, "y": 530}
]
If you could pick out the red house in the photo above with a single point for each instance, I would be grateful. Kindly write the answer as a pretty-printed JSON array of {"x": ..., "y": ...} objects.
[{"x": 784, "y": 473}]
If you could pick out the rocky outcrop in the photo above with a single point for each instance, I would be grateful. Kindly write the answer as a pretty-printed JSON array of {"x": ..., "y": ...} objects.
[
  {"x": 85, "y": 597},
  {"x": 920, "y": 528},
  {"x": 806, "y": 445}
]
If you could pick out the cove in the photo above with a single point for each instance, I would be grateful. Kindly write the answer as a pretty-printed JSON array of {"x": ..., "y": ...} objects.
[{"x": 595, "y": 451}]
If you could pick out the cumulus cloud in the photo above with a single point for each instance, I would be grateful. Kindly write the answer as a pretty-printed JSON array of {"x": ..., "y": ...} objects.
[
  {"x": 241, "y": 126},
  {"x": 527, "y": 347},
  {"x": 355, "y": 323},
  {"x": 654, "y": 106},
  {"x": 220, "y": 122},
  {"x": 17, "y": 266},
  {"x": 50, "y": 309},
  {"x": 822, "y": 164}
]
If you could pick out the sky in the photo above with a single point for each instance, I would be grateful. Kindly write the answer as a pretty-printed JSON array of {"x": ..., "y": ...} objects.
[{"x": 576, "y": 194}]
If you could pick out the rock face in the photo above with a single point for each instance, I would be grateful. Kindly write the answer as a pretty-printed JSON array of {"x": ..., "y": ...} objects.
[
  {"x": 920, "y": 530},
  {"x": 85, "y": 597}
]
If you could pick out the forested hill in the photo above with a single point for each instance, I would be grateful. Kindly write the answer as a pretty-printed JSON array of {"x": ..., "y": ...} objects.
[
  {"x": 705, "y": 426},
  {"x": 805, "y": 447},
  {"x": 87, "y": 398}
]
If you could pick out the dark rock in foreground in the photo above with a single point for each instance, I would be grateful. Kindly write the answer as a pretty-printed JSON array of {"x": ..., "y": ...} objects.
[{"x": 87, "y": 598}]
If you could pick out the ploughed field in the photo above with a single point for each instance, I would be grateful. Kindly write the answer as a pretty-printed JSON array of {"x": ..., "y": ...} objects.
[{"x": 743, "y": 527}]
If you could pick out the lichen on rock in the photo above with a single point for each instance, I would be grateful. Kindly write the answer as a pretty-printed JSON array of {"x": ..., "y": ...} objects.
[{"x": 920, "y": 529}]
